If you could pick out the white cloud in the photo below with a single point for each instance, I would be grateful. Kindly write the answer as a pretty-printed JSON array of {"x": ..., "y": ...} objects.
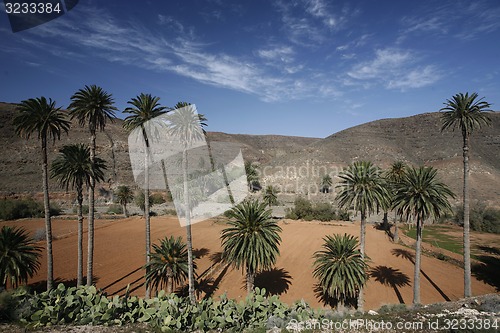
[{"x": 395, "y": 69}]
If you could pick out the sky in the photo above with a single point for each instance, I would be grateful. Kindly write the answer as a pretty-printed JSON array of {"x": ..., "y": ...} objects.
[{"x": 300, "y": 67}]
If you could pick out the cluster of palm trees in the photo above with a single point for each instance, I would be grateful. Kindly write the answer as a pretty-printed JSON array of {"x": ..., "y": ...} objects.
[{"x": 251, "y": 239}]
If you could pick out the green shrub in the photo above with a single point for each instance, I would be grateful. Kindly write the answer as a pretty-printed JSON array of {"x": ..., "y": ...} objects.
[
  {"x": 170, "y": 212},
  {"x": 12, "y": 209},
  {"x": 115, "y": 209},
  {"x": 7, "y": 306},
  {"x": 481, "y": 218},
  {"x": 157, "y": 198},
  {"x": 322, "y": 211},
  {"x": 85, "y": 209}
]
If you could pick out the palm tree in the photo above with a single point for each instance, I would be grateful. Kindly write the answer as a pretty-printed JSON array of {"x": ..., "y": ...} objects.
[
  {"x": 144, "y": 108},
  {"x": 340, "y": 268},
  {"x": 325, "y": 184},
  {"x": 394, "y": 176},
  {"x": 92, "y": 106},
  {"x": 422, "y": 196},
  {"x": 252, "y": 239},
  {"x": 19, "y": 256},
  {"x": 37, "y": 115},
  {"x": 188, "y": 127},
  {"x": 124, "y": 195},
  {"x": 270, "y": 196},
  {"x": 363, "y": 188},
  {"x": 73, "y": 168},
  {"x": 252, "y": 175},
  {"x": 467, "y": 113},
  {"x": 168, "y": 265}
]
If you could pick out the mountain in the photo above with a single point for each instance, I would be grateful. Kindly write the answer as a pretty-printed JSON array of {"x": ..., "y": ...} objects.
[
  {"x": 293, "y": 164},
  {"x": 20, "y": 159},
  {"x": 417, "y": 140}
]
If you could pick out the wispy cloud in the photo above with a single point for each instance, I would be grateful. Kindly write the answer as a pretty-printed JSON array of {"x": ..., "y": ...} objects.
[
  {"x": 472, "y": 20},
  {"x": 132, "y": 44},
  {"x": 395, "y": 69}
]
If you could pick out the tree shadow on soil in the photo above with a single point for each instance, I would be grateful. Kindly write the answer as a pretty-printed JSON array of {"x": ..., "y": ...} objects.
[
  {"x": 201, "y": 252},
  {"x": 488, "y": 271},
  {"x": 391, "y": 277},
  {"x": 332, "y": 302},
  {"x": 405, "y": 254},
  {"x": 275, "y": 281},
  {"x": 41, "y": 286},
  {"x": 490, "y": 249}
]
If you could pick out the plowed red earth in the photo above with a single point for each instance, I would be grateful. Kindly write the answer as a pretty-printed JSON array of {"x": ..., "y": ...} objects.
[{"x": 120, "y": 254}]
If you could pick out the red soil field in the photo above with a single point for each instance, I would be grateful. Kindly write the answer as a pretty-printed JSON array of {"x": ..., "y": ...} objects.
[{"x": 120, "y": 254}]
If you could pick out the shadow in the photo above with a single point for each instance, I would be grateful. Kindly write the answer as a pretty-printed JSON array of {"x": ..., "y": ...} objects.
[
  {"x": 215, "y": 283},
  {"x": 332, "y": 302},
  {"x": 122, "y": 278},
  {"x": 391, "y": 277},
  {"x": 41, "y": 286},
  {"x": 488, "y": 271},
  {"x": 201, "y": 252},
  {"x": 216, "y": 257},
  {"x": 275, "y": 281},
  {"x": 405, "y": 254},
  {"x": 385, "y": 227},
  {"x": 489, "y": 249}
]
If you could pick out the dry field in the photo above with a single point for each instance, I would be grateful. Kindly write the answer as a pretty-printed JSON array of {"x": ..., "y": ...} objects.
[{"x": 119, "y": 256}]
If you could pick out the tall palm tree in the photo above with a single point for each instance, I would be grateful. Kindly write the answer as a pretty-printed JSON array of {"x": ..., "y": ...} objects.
[
  {"x": 252, "y": 175},
  {"x": 325, "y": 184},
  {"x": 188, "y": 127},
  {"x": 19, "y": 256},
  {"x": 144, "y": 108},
  {"x": 467, "y": 113},
  {"x": 92, "y": 106},
  {"x": 37, "y": 115},
  {"x": 124, "y": 195},
  {"x": 421, "y": 195},
  {"x": 270, "y": 196},
  {"x": 340, "y": 268},
  {"x": 73, "y": 168},
  {"x": 252, "y": 239},
  {"x": 363, "y": 188},
  {"x": 394, "y": 176},
  {"x": 168, "y": 265}
]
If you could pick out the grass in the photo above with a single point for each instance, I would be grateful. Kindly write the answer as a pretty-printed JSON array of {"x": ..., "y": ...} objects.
[{"x": 436, "y": 235}]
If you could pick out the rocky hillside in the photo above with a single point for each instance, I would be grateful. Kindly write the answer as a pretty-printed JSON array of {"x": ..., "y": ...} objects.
[
  {"x": 294, "y": 164},
  {"x": 416, "y": 140},
  {"x": 20, "y": 167}
]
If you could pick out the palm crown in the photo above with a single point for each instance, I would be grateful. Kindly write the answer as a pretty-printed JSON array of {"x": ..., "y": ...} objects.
[
  {"x": 93, "y": 106},
  {"x": 40, "y": 116},
  {"x": 465, "y": 112},
  {"x": 73, "y": 168}
]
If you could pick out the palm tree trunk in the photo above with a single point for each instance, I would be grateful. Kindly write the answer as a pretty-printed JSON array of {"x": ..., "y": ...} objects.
[
  {"x": 250, "y": 279},
  {"x": 418, "y": 252},
  {"x": 48, "y": 223},
  {"x": 361, "y": 298},
  {"x": 189, "y": 239},
  {"x": 467, "y": 263},
  {"x": 396, "y": 227},
  {"x": 90, "y": 231},
  {"x": 125, "y": 211},
  {"x": 79, "y": 279},
  {"x": 146, "y": 213}
]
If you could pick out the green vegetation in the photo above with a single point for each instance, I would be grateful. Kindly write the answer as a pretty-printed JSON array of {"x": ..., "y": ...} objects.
[
  {"x": 304, "y": 210},
  {"x": 168, "y": 264},
  {"x": 436, "y": 235},
  {"x": 124, "y": 196},
  {"x": 468, "y": 113},
  {"x": 13, "y": 209},
  {"x": 251, "y": 240},
  {"x": 340, "y": 269},
  {"x": 270, "y": 196},
  {"x": 422, "y": 196},
  {"x": 482, "y": 218},
  {"x": 19, "y": 256}
]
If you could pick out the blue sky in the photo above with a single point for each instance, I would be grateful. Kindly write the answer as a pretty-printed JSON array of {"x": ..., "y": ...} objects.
[{"x": 300, "y": 67}]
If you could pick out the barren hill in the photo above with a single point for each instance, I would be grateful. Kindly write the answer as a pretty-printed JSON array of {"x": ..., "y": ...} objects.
[
  {"x": 416, "y": 140},
  {"x": 20, "y": 167}
]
